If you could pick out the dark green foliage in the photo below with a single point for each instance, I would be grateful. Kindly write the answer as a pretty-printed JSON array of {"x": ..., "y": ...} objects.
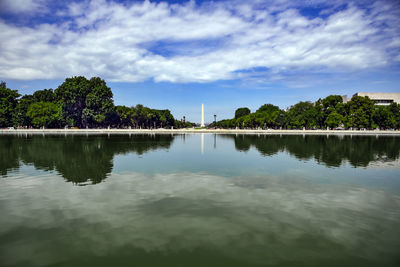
[
  {"x": 111, "y": 119},
  {"x": 332, "y": 102},
  {"x": 45, "y": 114},
  {"x": 267, "y": 108},
  {"x": 98, "y": 102},
  {"x": 394, "y": 108},
  {"x": 144, "y": 117},
  {"x": 85, "y": 103},
  {"x": 162, "y": 117},
  {"x": 330, "y": 112},
  {"x": 225, "y": 123},
  {"x": 8, "y": 104},
  {"x": 20, "y": 115},
  {"x": 267, "y": 116},
  {"x": 78, "y": 102},
  {"x": 89, "y": 103},
  {"x": 240, "y": 112},
  {"x": 126, "y": 116},
  {"x": 303, "y": 114},
  {"x": 359, "y": 112},
  {"x": 45, "y": 95},
  {"x": 324, "y": 107},
  {"x": 180, "y": 124},
  {"x": 72, "y": 94},
  {"x": 383, "y": 117},
  {"x": 334, "y": 119}
]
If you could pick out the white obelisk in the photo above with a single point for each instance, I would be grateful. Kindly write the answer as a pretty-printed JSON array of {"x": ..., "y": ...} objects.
[{"x": 202, "y": 116}]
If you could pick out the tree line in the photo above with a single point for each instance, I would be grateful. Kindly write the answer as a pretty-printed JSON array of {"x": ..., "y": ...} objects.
[
  {"x": 330, "y": 112},
  {"x": 78, "y": 102}
]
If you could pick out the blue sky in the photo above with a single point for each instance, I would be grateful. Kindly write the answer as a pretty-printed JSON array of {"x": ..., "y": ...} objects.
[{"x": 225, "y": 54}]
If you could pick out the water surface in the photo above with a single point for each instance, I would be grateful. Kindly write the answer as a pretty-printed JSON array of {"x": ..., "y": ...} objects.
[{"x": 199, "y": 200}]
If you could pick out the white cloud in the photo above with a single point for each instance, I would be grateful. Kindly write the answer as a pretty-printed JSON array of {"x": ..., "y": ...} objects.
[
  {"x": 204, "y": 43},
  {"x": 21, "y": 6}
]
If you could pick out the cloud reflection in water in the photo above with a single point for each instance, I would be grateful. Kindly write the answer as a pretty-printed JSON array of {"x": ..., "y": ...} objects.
[{"x": 259, "y": 220}]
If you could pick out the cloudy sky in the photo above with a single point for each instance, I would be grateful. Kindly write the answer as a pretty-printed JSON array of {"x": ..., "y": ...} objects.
[{"x": 225, "y": 54}]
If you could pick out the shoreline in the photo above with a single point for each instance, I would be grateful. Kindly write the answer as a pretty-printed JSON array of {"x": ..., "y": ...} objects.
[{"x": 194, "y": 131}]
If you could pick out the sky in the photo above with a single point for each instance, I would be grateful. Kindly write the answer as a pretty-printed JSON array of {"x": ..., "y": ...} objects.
[{"x": 177, "y": 55}]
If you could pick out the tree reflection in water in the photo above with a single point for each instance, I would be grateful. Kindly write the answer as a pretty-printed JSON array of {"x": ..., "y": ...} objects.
[
  {"x": 331, "y": 150},
  {"x": 77, "y": 158},
  {"x": 89, "y": 159}
]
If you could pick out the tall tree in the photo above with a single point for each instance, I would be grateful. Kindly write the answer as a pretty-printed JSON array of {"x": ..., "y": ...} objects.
[
  {"x": 85, "y": 102},
  {"x": 98, "y": 102},
  {"x": 240, "y": 112},
  {"x": 268, "y": 115},
  {"x": 72, "y": 94},
  {"x": 20, "y": 115},
  {"x": 359, "y": 112},
  {"x": 268, "y": 108},
  {"x": 8, "y": 104},
  {"x": 303, "y": 114},
  {"x": 395, "y": 110},
  {"x": 331, "y": 101},
  {"x": 125, "y": 115},
  {"x": 383, "y": 117}
]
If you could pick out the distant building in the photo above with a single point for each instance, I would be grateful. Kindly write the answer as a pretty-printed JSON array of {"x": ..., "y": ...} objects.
[{"x": 383, "y": 99}]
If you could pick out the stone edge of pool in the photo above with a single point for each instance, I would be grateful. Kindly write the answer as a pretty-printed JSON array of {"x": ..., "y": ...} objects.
[{"x": 190, "y": 131}]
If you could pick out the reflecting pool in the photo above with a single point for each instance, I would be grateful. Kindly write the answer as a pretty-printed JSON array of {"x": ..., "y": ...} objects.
[{"x": 199, "y": 200}]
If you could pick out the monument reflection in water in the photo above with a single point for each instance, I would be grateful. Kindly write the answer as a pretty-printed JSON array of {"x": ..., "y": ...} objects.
[{"x": 199, "y": 200}]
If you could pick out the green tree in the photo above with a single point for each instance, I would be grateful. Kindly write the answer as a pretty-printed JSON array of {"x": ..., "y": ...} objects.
[
  {"x": 45, "y": 114},
  {"x": 72, "y": 94},
  {"x": 394, "y": 108},
  {"x": 8, "y": 104},
  {"x": 383, "y": 117},
  {"x": 268, "y": 115},
  {"x": 321, "y": 116},
  {"x": 249, "y": 121},
  {"x": 303, "y": 114},
  {"x": 45, "y": 95},
  {"x": 331, "y": 102},
  {"x": 359, "y": 112},
  {"x": 125, "y": 115},
  {"x": 98, "y": 103},
  {"x": 324, "y": 107},
  {"x": 334, "y": 119},
  {"x": 85, "y": 102},
  {"x": 240, "y": 112},
  {"x": 112, "y": 119},
  {"x": 20, "y": 115},
  {"x": 162, "y": 118},
  {"x": 267, "y": 108}
]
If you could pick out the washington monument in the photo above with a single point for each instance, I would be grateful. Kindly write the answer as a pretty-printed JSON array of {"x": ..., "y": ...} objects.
[{"x": 202, "y": 116}]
